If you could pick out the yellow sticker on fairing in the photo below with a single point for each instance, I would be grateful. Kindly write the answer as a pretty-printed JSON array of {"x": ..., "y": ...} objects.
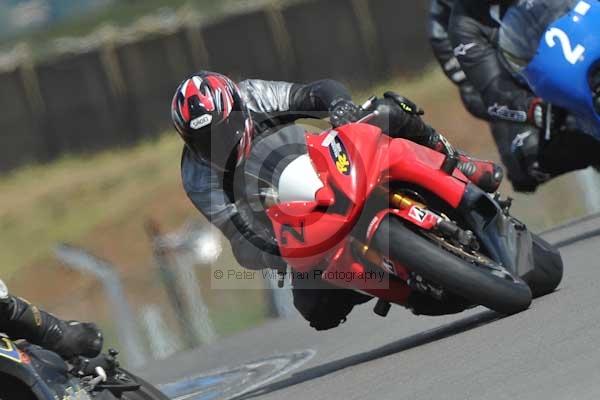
[
  {"x": 340, "y": 156},
  {"x": 8, "y": 350}
]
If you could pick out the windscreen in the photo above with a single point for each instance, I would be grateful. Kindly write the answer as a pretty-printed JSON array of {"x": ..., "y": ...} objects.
[{"x": 523, "y": 26}]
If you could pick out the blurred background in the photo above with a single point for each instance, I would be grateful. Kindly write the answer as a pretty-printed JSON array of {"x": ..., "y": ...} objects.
[{"x": 92, "y": 212}]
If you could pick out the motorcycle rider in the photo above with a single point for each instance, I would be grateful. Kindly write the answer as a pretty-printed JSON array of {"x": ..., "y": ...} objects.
[
  {"x": 503, "y": 132},
  {"x": 473, "y": 32},
  {"x": 20, "y": 319},
  {"x": 219, "y": 120},
  {"x": 439, "y": 19}
]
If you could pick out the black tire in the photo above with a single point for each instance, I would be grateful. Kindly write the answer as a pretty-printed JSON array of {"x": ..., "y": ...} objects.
[
  {"x": 548, "y": 268},
  {"x": 12, "y": 389},
  {"x": 428, "y": 259},
  {"x": 147, "y": 391}
]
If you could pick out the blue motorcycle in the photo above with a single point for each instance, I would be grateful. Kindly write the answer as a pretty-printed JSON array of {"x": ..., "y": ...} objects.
[{"x": 553, "y": 46}]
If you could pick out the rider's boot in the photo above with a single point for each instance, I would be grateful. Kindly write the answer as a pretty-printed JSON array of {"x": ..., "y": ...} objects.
[
  {"x": 487, "y": 175},
  {"x": 21, "y": 320}
]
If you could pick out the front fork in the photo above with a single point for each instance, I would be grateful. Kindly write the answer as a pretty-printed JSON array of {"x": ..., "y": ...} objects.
[
  {"x": 419, "y": 216},
  {"x": 403, "y": 283}
]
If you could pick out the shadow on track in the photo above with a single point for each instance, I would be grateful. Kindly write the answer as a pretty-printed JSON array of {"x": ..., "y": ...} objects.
[{"x": 408, "y": 343}]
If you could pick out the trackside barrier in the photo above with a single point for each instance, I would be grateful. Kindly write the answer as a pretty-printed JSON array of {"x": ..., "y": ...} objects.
[
  {"x": 117, "y": 92},
  {"x": 82, "y": 261}
]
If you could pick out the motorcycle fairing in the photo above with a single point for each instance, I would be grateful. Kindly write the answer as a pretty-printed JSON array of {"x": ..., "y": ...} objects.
[
  {"x": 310, "y": 232},
  {"x": 9, "y": 350},
  {"x": 41, "y": 370},
  {"x": 557, "y": 77},
  {"x": 337, "y": 153},
  {"x": 375, "y": 157},
  {"x": 506, "y": 240},
  {"x": 14, "y": 367},
  {"x": 419, "y": 165},
  {"x": 307, "y": 236}
]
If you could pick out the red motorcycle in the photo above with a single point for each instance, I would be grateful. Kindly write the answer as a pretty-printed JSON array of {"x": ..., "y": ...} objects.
[{"x": 393, "y": 219}]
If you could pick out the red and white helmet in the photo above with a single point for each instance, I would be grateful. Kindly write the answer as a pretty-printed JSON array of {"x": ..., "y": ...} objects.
[{"x": 212, "y": 119}]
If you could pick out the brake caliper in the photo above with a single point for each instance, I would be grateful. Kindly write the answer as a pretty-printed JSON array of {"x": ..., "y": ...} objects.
[{"x": 465, "y": 238}]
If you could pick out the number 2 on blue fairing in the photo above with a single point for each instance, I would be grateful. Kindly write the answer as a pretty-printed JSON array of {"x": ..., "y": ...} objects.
[
  {"x": 567, "y": 56},
  {"x": 572, "y": 55}
]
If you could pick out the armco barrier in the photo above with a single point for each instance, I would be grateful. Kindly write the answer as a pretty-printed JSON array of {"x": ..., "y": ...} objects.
[
  {"x": 244, "y": 46},
  {"x": 401, "y": 28},
  {"x": 119, "y": 93},
  {"x": 77, "y": 112},
  {"x": 151, "y": 69},
  {"x": 17, "y": 131},
  {"x": 326, "y": 41}
]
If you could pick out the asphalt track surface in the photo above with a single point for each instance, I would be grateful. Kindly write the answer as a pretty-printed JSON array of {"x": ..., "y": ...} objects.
[{"x": 551, "y": 351}]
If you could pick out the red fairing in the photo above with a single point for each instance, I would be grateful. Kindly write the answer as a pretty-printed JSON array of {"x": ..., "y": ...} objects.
[
  {"x": 351, "y": 170},
  {"x": 352, "y": 161},
  {"x": 422, "y": 218},
  {"x": 410, "y": 162},
  {"x": 307, "y": 236},
  {"x": 311, "y": 235}
]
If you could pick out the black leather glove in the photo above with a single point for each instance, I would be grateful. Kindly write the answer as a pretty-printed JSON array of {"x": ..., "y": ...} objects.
[
  {"x": 343, "y": 112},
  {"x": 401, "y": 118},
  {"x": 22, "y": 320},
  {"x": 405, "y": 104},
  {"x": 526, "y": 148},
  {"x": 74, "y": 338}
]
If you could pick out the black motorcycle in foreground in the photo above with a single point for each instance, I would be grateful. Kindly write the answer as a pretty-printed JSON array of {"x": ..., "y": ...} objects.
[{"x": 29, "y": 372}]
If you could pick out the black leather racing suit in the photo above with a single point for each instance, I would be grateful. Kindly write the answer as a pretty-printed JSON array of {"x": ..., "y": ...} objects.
[
  {"x": 271, "y": 104},
  {"x": 274, "y": 104},
  {"x": 440, "y": 12},
  {"x": 21, "y": 320},
  {"x": 503, "y": 132},
  {"x": 473, "y": 31}
]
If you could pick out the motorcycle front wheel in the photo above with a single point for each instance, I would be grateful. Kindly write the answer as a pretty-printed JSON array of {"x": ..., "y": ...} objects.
[{"x": 465, "y": 277}]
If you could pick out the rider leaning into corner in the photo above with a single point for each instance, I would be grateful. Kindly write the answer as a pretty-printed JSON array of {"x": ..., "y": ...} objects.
[
  {"x": 220, "y": 120},
  {"x": 464, "y": 35},
  {"x": 20, "y": 319}
]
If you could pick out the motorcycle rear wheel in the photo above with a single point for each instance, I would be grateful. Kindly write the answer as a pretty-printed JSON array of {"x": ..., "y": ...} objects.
[
  {"x": 548, "y": 268},
  {"x": 476, "y": 283}
]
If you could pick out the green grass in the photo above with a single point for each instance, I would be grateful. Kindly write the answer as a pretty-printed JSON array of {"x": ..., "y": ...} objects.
[{"x": 43, "y": 205}]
